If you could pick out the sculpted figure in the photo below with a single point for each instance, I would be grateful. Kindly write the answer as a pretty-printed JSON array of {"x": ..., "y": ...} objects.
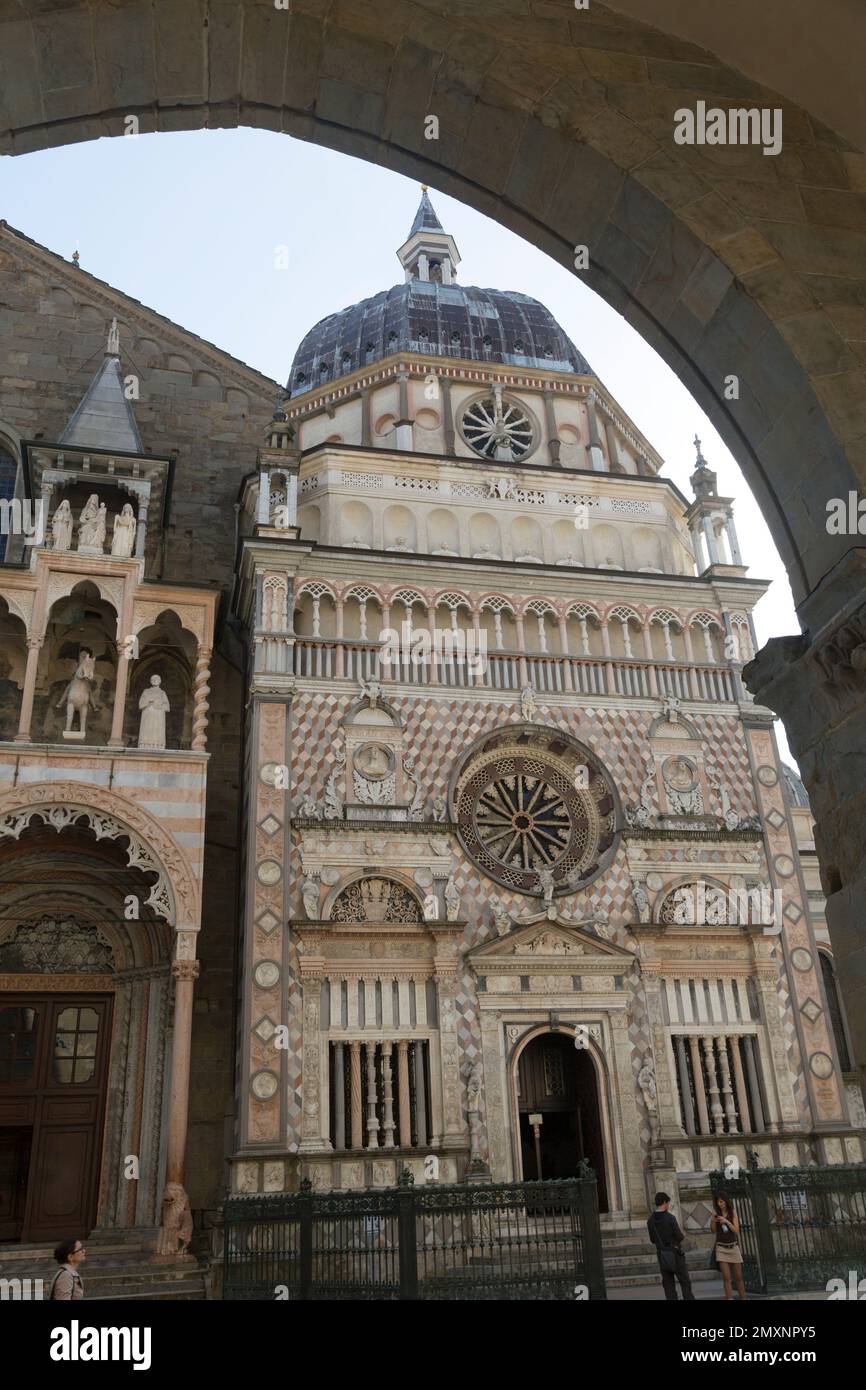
[
  {"x": 452, "y": 901},
  {"x": 527, "y": 703},
  {"x": 61, "y": 526},
  {"x": 431, "y": 907},
  {"x": 91, "y": 526},
  {"x": 154, "y": 706},
  {"x": 176, "y": 1230},
  {"x": 310, "y": 895},
  {"x": 78, "y": 695},
  {"x": 123, "y": 539}
]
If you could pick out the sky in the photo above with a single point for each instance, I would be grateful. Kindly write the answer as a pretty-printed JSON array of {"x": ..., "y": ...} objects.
[{"x": 248, "y": 238}]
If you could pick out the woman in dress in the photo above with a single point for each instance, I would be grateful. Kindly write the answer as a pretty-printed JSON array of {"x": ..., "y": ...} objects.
[{"x": 725, "y": 1226}]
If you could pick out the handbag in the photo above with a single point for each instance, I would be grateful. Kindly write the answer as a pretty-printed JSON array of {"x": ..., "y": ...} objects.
[{"x": 667, "y": 1259}]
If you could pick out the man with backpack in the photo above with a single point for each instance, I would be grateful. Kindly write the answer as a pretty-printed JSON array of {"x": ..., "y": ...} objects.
[{"x": 666, "y": 1236}]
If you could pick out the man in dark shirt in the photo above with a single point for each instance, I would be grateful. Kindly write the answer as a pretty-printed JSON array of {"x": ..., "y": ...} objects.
[{"x": 666, "y": 1236}]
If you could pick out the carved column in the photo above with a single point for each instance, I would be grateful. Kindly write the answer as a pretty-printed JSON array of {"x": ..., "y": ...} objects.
[
  {"x": 339, "y": 1096},
  {"x": 454, "y": 1135},
  {"x": 685, "y": 1088},
  {"x": 201, "y": 692},
  {"x": 355, "y": 1095},
  {"x": 387, "y": 1096},
  {"x": 341, "y": 654},
  {"x": 727, "y": 1091},
  {"x": 669, "y": 1123},
  {"x": 754, "y": 1087},
  {"x": 313, "y": 1106},
  {"x": 700, "y": 1089},
  {"x": 372, "y": 1120},
  {"x": 184, "y": 973},
  {"x": 766, "y": 980},
  {"x": 521, "y": 647},
  {"x": 34, "y": 647},
  {"x": 116, "y": 737},
  {"x": 403, "y": 1094},
  {"x": 740, "y": 1087},
  {"x": 480, "y": 657},
  {"x": 563, "y": 643},
  {"x": 718, "y": 1115}
]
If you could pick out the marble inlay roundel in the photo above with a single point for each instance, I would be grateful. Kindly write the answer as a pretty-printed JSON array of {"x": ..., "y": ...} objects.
[
  {"x": 264, "y": 1085},
  {"x": 784, "y": 865},
  {"x": 269, "y": 872},
  {"x": 524, "y": 816},
  {"x": 767, "y": 775},
  {"x": 821, "y": 1065},
  {"x": 801, "y": 959},
  {"x": 267, "y": 972}
]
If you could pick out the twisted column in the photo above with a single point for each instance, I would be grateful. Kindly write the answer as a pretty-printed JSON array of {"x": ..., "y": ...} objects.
[
  {"x": 355, "y": 1095},
  {"x": 201, "y": 691}
]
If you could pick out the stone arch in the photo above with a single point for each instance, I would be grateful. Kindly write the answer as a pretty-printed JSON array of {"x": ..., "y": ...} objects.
[
  {"x": 367, "y": 895},
  {"x": 176, "y": 895},
  {"x": 606, "y": 1092},
  {"x": 310, "y": 522},
  {"x": 485, "y": 539},
  {"x": 675, "y": 244},
  {"x": 704, "y": 889}
]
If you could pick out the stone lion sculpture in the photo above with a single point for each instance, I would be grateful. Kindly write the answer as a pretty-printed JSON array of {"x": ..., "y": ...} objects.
[{"x": 176, "y": 1228}]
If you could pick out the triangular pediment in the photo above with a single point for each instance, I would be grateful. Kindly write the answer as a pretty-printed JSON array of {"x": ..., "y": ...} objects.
[{"x": 549, "y": 940}]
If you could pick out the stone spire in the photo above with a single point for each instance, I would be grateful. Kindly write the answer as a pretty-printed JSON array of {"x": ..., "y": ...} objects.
[
  {"x": 429, "y": 253},
  {"x": 104, "y": 418},
  {"x": 703, "y": 480}
]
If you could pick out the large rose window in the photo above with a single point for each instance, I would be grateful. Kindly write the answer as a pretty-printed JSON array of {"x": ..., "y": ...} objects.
[{"x": 535, "y": 809}]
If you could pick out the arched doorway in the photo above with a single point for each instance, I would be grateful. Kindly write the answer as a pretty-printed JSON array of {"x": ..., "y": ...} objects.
[
  {"x": 84, "y": 1016},
  {"x": 558, "y": 1111}
]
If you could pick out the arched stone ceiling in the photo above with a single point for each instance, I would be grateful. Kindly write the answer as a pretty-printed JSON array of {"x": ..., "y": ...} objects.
[{"x": 559, "y": 124}]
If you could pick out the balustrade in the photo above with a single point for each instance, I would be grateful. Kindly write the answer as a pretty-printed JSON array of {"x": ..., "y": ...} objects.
[
  {"x": 367, "y": 1109},
  {"x": 319, "y": 659},
  {"x": 718, "y": 1085}
]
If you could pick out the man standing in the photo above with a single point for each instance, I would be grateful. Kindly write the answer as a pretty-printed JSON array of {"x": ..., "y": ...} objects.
[
  {"x": 67, "y": 1283},
  {"x": 666, "y": 1236}
]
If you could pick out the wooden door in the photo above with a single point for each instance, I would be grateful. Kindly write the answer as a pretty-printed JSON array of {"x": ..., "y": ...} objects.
[{"x": 53, "y": 1071}]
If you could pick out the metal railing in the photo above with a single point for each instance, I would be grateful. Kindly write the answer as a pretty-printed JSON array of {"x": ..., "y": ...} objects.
[
  {"x": 470, "y": 1241},
  {"x": 799, "y": 1227}
]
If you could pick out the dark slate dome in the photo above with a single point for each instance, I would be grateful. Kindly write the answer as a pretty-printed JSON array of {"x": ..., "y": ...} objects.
[{"x": 426, "y": 316}]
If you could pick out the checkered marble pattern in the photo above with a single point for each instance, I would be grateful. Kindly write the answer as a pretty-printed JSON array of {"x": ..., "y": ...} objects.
[{"x": 438, "y": 731}]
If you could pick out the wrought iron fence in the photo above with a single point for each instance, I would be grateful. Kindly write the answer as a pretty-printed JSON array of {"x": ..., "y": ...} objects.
[
  {"x": 474, "y": 1241},
  {"x": 799, "y": 1227}
]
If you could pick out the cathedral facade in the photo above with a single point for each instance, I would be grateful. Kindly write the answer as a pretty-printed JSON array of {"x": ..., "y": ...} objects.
[{"x": 379, "y": 787}]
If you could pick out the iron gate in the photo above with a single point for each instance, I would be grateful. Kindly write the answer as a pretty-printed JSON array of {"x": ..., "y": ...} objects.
[
  {"x": 799, "y": 1227},
  {"x": 514, "y": 1241}
]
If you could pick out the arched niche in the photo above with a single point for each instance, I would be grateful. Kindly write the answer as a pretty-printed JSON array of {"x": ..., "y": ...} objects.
[
  {"x": 567, "y": 544},
  {"x": 78, "y": 493},
  {"x": 315, "y": 611},
  {"x": 356, "y": 525},
  {"x": 167, "y": 650},
  {"x": 81, "y": 619},
  {"x": 485, "y": 541},
  {"x": 646, "y": 550},
  {"x": 310, "y": 522},
  {"x": 583, "y": 629},
  {"x": 400, "y": 529},
  {"x": 362, "y": 613},
  {"x": 13, "y": 662},
  {"x": 607, "y": 547},
  {"x": 443, "y": 532},
  {"x": 527, "y": 543}
]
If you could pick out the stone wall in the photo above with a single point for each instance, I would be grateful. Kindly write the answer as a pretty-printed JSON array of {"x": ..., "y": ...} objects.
[{"x": 53, "y": 323}]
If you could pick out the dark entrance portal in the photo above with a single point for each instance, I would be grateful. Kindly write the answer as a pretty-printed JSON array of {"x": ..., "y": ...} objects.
[
  {"x": 557, "y": 1081},
  {"x": 53, "y": 1068}
]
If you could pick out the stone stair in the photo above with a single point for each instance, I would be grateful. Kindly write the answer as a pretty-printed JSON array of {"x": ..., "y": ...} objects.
[
  {"x": 630, "y": 1260},
  {"x": 117, "y": 1270}
]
